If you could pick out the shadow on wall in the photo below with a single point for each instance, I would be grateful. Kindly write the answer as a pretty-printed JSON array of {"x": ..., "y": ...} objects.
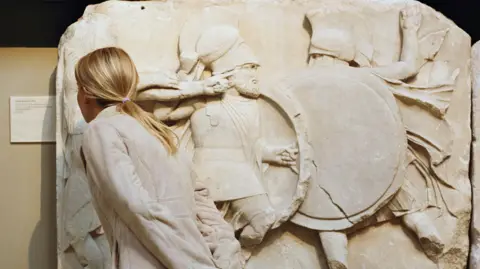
[{"x": 42, "y": 251}]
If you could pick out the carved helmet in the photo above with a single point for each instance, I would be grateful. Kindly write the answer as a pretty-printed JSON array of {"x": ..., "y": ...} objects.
[
  {"x": 330, "y": 38},
  {"x": 222, "y": 49},
  {"x": 340, "y": 34}
]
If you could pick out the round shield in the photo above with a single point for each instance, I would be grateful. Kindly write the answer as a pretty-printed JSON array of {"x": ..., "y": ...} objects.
[
  {"x": 282, "y": 124},
  {"x": 358, "y": 144}
]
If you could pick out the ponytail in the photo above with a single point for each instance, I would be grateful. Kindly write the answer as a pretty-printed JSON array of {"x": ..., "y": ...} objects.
[{"x": 158, "y": 129}]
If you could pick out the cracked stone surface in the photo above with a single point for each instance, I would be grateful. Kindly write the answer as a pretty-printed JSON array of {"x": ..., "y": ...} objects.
[{"x": 375, "y": 95}]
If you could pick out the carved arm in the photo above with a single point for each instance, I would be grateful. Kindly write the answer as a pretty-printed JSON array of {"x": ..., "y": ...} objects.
[
  {"x": 183, "y": 111},
  {"x": 186, "y": 89},
  {"x": 410, "y": 21},
  {"x": 159, "y": 93}
]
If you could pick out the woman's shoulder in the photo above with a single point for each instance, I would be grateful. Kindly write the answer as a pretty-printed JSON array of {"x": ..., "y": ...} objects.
[
  {"x": 105, "y": 125},
  {"x": 116, "y": 120},
  {"x": 125, "y": 126}
]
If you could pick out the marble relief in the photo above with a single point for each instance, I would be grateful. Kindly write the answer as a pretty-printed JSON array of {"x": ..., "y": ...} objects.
[{"x": 330, "y": 134}]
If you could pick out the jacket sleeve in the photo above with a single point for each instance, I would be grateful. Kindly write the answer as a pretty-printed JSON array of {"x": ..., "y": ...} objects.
[{"x": 110, "y": 168}]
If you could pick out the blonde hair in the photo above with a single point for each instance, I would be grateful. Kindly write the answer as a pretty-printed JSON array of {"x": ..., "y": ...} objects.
[{"x": 110, "y": 76}]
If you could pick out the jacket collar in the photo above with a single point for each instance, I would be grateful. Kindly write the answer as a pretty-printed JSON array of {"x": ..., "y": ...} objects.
[{"x": 108, "y": 112}]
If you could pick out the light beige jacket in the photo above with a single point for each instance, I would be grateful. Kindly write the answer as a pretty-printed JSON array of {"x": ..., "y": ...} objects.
[{"x": 145, "y": 201}]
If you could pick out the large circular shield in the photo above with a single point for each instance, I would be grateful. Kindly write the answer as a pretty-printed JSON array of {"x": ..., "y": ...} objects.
[{"x": 358, "y": 142}]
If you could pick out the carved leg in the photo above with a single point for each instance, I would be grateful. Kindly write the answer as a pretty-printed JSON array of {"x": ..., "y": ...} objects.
[
  {"x": 255, "y": 231},
  {"x": 335, "y": 248},
  {"x": 426, "y": 232},
  {"x": 255, "y": 215}
]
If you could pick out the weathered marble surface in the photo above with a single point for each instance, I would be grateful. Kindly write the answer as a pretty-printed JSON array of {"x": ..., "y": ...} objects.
[
  {"x": 475, "y": 226},
  {"x": 363, "y": 211}
]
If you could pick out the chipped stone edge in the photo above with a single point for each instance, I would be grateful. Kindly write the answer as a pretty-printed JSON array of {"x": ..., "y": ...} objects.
[{"x": 474, "y": 259}]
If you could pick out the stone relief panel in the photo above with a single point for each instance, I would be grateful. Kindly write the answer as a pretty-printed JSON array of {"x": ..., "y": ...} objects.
[{"x": 331, "y": 134}]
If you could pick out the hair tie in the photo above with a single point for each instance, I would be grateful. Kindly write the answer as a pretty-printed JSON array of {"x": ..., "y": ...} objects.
[{"x": 126, "y": 99}]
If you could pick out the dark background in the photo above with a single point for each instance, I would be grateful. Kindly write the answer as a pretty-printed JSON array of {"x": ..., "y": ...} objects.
[{"x": 40, "y": 23}]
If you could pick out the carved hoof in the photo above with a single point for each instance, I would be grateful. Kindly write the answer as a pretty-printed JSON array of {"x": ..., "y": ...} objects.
[
  {"x": 336, "y": 265},
  {"x": 432, "y": 246}
]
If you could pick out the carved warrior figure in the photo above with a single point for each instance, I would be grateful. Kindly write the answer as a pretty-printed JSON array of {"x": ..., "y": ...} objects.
[
  {"x": 229, "y": 153},
  {"x": 334, "y": 48},
  {"x": 226, "y": 134}
]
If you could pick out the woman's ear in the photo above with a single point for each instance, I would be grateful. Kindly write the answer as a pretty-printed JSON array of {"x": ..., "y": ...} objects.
[
  {"x": 82, "y": 97},
  {"x": 85, "y": 103}
]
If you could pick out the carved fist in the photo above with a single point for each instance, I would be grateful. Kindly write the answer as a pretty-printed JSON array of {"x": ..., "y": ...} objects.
[
  {"x": 411, "y": 17},
  {"x": 215, "y": 85},
  {"x": 284, "y": 156},
  {"x": 169, "y": 79}
]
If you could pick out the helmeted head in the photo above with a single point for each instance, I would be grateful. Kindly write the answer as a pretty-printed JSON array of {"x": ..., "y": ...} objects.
[
  {"x": 336, "y": 43},
  {"x": 222, "y": 50},
  {"x": 330, "y": 38},
  {"x": 340, "y": 32}
]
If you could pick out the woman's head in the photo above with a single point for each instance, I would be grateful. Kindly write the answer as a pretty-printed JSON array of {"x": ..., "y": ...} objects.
[{"x": 107, "y": 77}]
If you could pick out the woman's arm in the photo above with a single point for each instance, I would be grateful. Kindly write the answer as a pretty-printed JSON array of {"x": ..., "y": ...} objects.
[{"x": 112, "y": 171}]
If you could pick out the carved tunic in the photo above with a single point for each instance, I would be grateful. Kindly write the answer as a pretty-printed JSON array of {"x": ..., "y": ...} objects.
[{"x": 226, "y": 134}]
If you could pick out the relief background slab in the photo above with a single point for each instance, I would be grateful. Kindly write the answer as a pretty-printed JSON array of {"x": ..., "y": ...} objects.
[{"x": 280, "y": 36}]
